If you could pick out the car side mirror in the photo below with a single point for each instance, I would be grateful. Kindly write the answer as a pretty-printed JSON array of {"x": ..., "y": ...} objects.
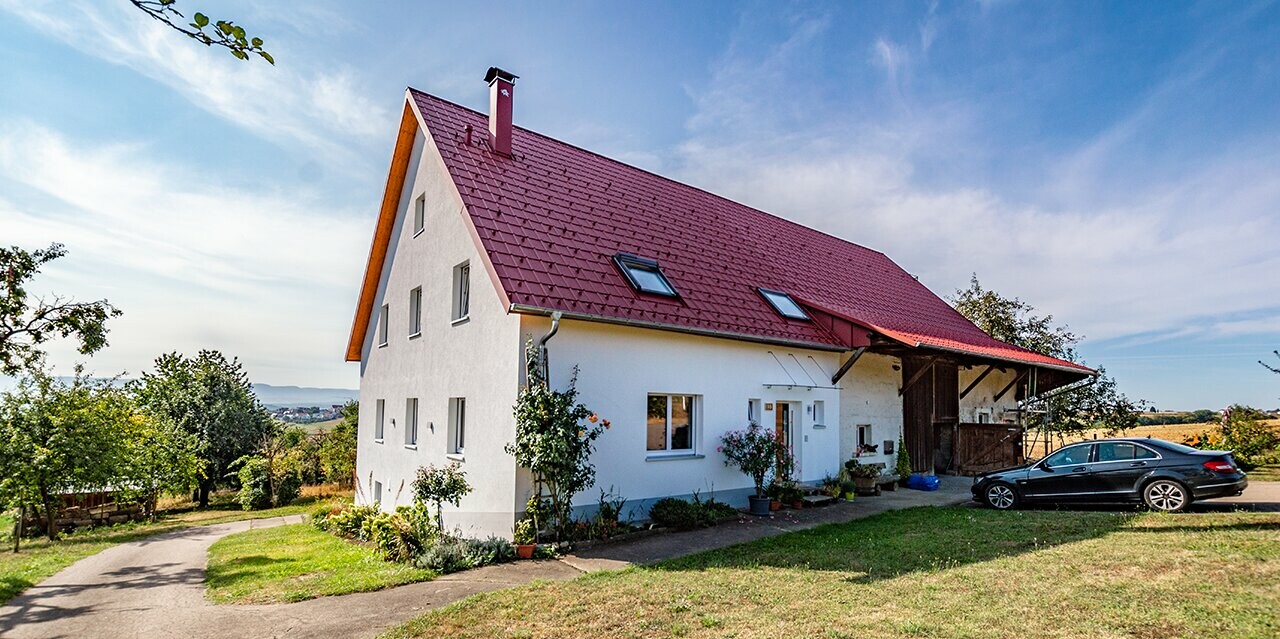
[{"x": 1046, "y": 468}]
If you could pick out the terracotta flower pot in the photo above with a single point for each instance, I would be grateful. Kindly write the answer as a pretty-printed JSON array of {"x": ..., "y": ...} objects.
[
  {"x": 525, "y": 551},
  {"x": 775, "y": 505},
  {"x": 797, "y": 504}
]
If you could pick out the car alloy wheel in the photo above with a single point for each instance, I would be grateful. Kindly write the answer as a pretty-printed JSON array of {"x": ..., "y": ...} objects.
[
  {"x": 1167, "y": 496},
  {"x": 1001, "y": 497}
]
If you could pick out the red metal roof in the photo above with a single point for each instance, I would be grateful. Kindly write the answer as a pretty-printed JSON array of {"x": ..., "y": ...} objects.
[{"x": 552, "y": 217}]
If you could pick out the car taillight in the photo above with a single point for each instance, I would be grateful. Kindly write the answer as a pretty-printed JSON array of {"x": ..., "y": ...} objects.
[{"x": 1219, "y": 466}]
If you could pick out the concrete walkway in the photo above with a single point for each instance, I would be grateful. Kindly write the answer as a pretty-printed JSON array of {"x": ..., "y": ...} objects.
[{"x": 154, "y": 588}]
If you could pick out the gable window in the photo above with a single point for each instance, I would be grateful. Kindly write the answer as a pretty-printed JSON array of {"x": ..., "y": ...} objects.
[
  {"x": 671, "y": 422},
  {"x": 382, "y": 324},
  {"x": 415, "y": 312},
  {"x": 379, "y": 420},
  {"x": 644, "y": 275},
  {"x": 461, "y": 291},
  {"x": 783, "y": 304},
  {"x": 411, "y": 422},
  {"x": 419, "y": 214},
  {"x": 457, "y": 425}
]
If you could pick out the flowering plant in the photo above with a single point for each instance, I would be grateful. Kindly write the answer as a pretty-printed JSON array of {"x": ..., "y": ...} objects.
[{"x": 755, "y": 451}]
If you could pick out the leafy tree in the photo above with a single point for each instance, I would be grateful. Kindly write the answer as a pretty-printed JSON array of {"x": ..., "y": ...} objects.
[
  {"x": 60, "y": 437},
  {"x": 1245, "y": 433},
  {"x": 338, "y": 447},
  {"x": 26, "y": 323},
  {"x": 210, "y": 398},
  {"x": 272, "y": 476},
  {"x": 438, "y": 485},
  {"x": 223, "y": 33},
  {"x": 1085, "y": 406},
  {"x": 552, "y": 440},
  {"x": 161, "y": 459}
]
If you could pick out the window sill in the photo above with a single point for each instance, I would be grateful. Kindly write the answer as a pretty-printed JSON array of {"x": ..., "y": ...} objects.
[
  {"x": 672, "y": 456},
  {"x": 378, "y": 441},
  {"x": 461, "y": 320},
  {"x": 819, "y": 426},
  {"x": 411, "y": 446},
  {"x": 383, "y": 345},
  {"x": 420, "y": 231},
  {"x": 415, "y": 335},
  {"x": 456, "y": 456}
]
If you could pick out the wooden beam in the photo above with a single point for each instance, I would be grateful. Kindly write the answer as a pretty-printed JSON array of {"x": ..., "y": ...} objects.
[
  {"x": 844, "y": 368},
  {"x": 920, "y": 373},
  {"x": 1021, "y": 376},
  {"x": 976, "y": 381}
]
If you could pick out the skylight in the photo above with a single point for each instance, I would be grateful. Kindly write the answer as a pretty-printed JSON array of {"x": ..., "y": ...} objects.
[
  {"x": 783, "y": 303},
  {"x": 644, "y": 275}
]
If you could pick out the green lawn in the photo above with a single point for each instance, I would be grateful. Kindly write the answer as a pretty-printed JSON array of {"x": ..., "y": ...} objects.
[
  {"x": 40, "y": 558},
  {"x": 924, "y": 572},
  {"x": 296, "y": 562}
]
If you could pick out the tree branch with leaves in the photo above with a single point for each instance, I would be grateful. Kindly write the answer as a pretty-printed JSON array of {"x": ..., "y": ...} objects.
[
  {"x": 26, "y": 323},
  {"x": 222, "y": 33}
]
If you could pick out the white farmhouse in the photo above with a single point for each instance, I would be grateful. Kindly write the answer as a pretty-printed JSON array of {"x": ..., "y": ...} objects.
[{"x": 687, "y": 314}]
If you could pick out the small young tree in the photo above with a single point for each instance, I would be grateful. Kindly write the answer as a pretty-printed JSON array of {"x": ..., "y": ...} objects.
[
  {"x": 338, "y": 448},
  {"x": 555, "y": 437},
  {"x": 439, "y": 485}
]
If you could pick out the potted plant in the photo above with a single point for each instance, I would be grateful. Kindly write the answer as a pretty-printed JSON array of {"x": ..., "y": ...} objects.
[
  {"x": 864, "y": 475},
  {"x": 792, "y": 495},
  {"x": 774, "y": 491},
  {"x": 903, "y": 464},
  {"x": 755, "y": 451},
  {"x": 525, "y": 539}
]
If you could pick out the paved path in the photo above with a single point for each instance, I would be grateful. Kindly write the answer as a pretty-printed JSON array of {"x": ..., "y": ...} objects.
[{"x": 154, "y": 588}]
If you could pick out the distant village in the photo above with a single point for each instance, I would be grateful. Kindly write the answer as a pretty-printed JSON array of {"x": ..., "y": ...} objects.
[{"x": 307, "y": 414}]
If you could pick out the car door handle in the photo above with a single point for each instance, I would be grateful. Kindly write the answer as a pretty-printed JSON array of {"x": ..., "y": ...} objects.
[
  {"x": 1137, "y": 464},
  {"x": 1080, "y": 469}
]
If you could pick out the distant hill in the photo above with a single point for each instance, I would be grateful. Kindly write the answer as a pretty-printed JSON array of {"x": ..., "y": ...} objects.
[{"x": 300, "y": 396}]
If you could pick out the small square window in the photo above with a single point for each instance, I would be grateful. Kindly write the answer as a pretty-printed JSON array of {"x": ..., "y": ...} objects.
[
  {"x": 419, "y": 214},
  {"x": 864, "y": 436},
  {"x": 819, "y": 414},
  {"x": 415, "y": 311},
  {"x": 755, "y": 414},
  {"x": 671, "y": 423},
  {"x": 644, "y": 275},
  {"x": 461, "y": 291},
  {"x": 377, "y": 493},
  {"x": 411, "y": 422},
  {"x": 379, "y": 419},
  {"x": 783, "y": 304},
  {"x": 457, "y": 424},
  {"x": 382, "y": 325}
]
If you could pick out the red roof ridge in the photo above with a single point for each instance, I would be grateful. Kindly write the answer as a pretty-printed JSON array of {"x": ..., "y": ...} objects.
[{"x": 660, "y": 176}]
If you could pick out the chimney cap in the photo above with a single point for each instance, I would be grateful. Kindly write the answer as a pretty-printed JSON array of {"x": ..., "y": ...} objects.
[{"x": 495, "y": 72}]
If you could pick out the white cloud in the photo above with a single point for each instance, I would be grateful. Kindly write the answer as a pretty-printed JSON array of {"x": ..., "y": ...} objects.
[
  {"x": 1113, "y": 255},
  {"x": 270, "y": 277},
  {"x": 323, "y": 109}
]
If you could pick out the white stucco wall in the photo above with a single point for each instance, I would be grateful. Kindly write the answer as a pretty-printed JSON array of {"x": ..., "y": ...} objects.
[
  {"x": 869, "y": 395},
  {"x": 477, "y": 359},
  {"x": 980, "y": 398},
  {"x": 620, "y": 366}
]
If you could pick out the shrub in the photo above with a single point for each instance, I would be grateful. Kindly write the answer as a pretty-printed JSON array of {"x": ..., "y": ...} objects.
[
  {"x": 1251, "y": 441},
  {"x": 523, "y": 533},
  {"x": 260, "y": 489},
  {"x": 757, "y": 452},
  {"x": 494, "y": 550},
  {"x": 447, "y": 554},
  {"x": 679, "y": 514},
  {"x": 348, "y": 521}
]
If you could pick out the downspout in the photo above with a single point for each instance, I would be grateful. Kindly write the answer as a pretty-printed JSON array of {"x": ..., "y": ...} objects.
[{"x": 542, "y": 347}]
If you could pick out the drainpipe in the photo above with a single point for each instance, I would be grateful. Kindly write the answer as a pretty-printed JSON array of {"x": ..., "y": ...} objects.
[{"x": 542, "y": 347}]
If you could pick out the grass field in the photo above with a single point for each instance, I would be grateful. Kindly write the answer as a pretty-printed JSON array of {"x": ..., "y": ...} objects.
[
  {"x": 41, "y": 558},
  {"x": 297, "y": 562},
  {"x": 925, "y": 572}
]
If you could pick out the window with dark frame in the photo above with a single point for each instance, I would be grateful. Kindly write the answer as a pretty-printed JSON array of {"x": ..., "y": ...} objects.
[
  {"x": 382, "y": 324},
  {"x": 457, "y": 425},
  {"x": 783, "y": 304},
  {"x": 670, "y": 423},
  {"x": 420, "y": 214},
  {"x": 411, "y": 422},
  {"x": 644, "y": 275},
  {"x": 415, "y": 312},
  {"x": 379, "y": 419},
  {"x": 461, "y": 291}
]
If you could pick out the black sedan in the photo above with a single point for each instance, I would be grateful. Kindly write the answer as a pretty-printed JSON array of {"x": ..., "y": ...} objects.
[{"x": 1163, "y": 475}]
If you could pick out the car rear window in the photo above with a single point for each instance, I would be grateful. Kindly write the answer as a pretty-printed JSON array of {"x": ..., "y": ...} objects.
[{"x": 1177, "y": 447}]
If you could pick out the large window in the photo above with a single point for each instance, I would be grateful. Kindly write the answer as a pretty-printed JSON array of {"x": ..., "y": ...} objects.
[
  {"x": 411, "y": 422},
  {"x": 671, "y": 423},
  {"x": 382, "y": 325},
  {"x": 644, "y": 275},
  {"x": 457, "y": 425},
  {"x": 415, "y": 312},
  {"x": 419, "y": 214},
  {"x": 461, "y": 291},
  {"x": 379, "y": 420}
]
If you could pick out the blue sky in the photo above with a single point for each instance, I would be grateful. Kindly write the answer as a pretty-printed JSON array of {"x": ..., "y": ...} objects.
[{"x": 1113, "y": 164}]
